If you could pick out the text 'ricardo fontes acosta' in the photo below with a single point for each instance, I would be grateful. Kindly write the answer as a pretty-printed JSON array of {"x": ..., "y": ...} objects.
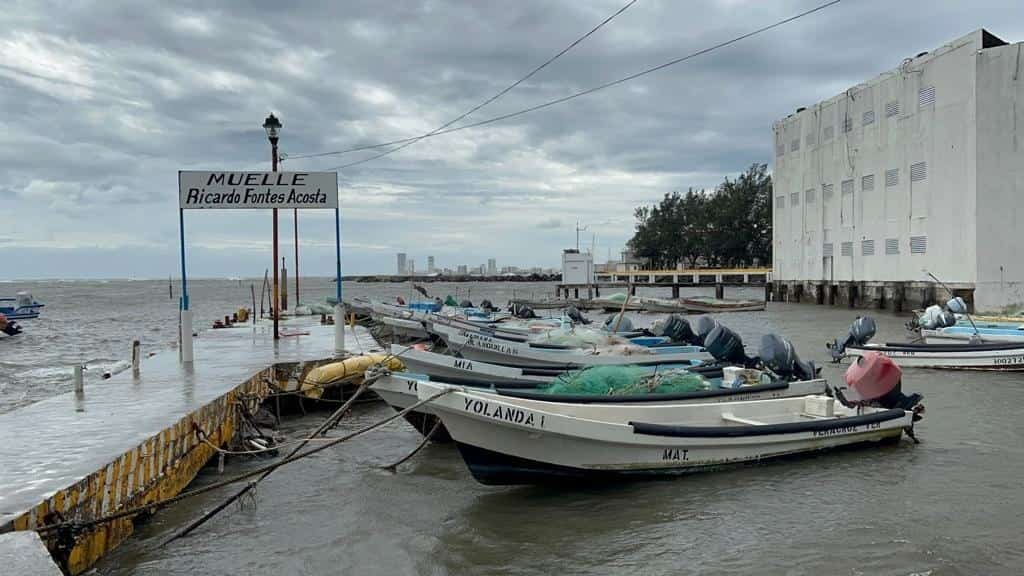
[{"x": 253, "y": 190}]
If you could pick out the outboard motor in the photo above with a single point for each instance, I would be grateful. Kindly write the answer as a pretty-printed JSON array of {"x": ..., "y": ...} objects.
[
  {"x": 574, "y": 314},
  {"x": 626, "y": 325},
  {"x": 703, "y": 326},
  {"x": 957, "y": 305},
  {"x": 935, "y": 317},
  {"x": 677, "y": 329},
  {"x": 486, "y": 305},
  {"x": 465, "y": 304},
  {"x": 727, "y": 347},
  {"x": 525, "y": 312},
  {"x": 861, "y": 331},
  {"x": 779, "y": 356},
  {"x": 875, "y": 380},
  {"x": 9, "y": 327}
]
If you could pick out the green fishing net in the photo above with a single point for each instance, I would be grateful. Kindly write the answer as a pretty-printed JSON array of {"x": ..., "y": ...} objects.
[{"x": 627, "y": 380}]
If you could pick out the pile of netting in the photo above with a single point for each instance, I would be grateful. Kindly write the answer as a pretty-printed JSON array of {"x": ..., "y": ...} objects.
[
  {"x": 578, "y": 337},
  {"x": 627, "y": 380}
]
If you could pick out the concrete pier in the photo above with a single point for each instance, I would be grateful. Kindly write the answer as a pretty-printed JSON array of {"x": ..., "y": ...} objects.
[
  {"x": 131, "y": 440},
  {"x": 891, "y": 296}
]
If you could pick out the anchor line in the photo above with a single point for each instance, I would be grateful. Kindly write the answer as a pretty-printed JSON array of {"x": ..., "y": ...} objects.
[{"x": 154, "y": 506}]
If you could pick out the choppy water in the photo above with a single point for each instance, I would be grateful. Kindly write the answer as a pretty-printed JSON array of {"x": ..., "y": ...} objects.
[{"x": 950, "y": 505}]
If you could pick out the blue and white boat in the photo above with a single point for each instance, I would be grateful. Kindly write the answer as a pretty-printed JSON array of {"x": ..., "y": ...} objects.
[{"x": 21, "y": 307}]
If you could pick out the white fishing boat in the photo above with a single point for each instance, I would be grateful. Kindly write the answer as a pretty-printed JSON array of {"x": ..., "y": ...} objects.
[
  {"x": 700, "y": 305},
  {"x": 963, "y": 334},
  {"x": 504, "y": 442},
  {"x": 476, "y": 346},
  {"x": 950, "y": 355}
]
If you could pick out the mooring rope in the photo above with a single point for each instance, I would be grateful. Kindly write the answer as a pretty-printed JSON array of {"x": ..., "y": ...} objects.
[
  {"x": 154, "y": 506},
  {"x": 426, "y": 438}
]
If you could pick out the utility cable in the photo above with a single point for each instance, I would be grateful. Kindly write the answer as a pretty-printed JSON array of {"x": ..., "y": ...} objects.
[
  {"x": 410, "y": 141},
  {"x": 580, "y": 93}
]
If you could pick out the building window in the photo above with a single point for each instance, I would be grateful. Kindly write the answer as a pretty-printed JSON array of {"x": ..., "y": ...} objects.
[
  {"x": 892, "y": 246},
  {"x": 780, "y": 149},
  {"x": 868, "y": 118},
  {"x": 892, "y": 108},
  {"x": 826, "y": 191},
  {"x": 827, "y": 133},
  {"x": 846, "y": 209},
  {"x": 847, "y": 124},
  {"x": 809, "y": 196},
  {"x": 918, "y": 244},
  {"x": 926, "y": 96},
  {"x": 918, "y": 171},
  {"x": 780, "y": 202},
  {"x": 794, "y": 145},
  {"x": 867, "y": 183},
  {"x": 810, "y": 139},
  {"x": 867, "y": 247},
  {"x": 892, "y": 177},
  {"x": 827, "y": 250},
  {"x": 846, "y": 249},
  {"x": 794, "y": 199}
]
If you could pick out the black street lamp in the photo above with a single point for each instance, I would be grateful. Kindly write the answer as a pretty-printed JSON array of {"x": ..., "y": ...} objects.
[{"x": 273, "y": 127}]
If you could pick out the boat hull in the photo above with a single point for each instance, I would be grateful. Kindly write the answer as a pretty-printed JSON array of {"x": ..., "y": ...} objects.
[
  {"x": 505, "y": 444},
  {"x": 1006, "y": 357}
]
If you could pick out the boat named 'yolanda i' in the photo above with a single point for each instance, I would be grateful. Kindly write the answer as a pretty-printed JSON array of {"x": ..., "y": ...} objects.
[{"x": 507, "y": 440}]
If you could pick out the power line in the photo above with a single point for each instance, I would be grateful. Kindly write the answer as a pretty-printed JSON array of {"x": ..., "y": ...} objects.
[
  {"x": 589, "y": 90},
  {"x": 410, "y": 141}
]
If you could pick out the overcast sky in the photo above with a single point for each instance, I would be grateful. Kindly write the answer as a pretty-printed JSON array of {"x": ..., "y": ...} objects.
[{"x": 103, "y": 102}]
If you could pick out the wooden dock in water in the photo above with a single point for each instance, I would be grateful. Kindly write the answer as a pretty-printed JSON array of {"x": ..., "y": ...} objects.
[{"x": 131, "y": 440}]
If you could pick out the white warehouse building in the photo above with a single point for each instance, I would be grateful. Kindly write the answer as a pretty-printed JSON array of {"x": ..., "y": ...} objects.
[{"x": 918, "y": 170}]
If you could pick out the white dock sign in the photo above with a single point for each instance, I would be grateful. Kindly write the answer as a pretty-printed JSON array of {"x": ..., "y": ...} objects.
[{"x": 250, "y": 190}]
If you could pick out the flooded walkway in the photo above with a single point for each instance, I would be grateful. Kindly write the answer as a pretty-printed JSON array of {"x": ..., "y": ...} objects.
[{"x": 127, "y": 440}]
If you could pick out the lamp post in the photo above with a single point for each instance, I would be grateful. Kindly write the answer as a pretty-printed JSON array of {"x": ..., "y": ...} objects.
[{"x": 273, "y": 126}]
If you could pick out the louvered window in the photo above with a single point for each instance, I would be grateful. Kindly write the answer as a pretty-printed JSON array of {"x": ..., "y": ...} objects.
[
  {"x": 794, "y": 199},
  {"x": 867, "y": 247},
  {"x": 868, "y": 118},
  {"x": 926, "y": 96},
  {"x": 846, "y": 249},
  {"x": 867, "y": 183},
  {"x": 892, "y": 177},
  {"x": 827, "y": 250},
  {"x": 918, "y": 171},
  {"x": 847, "y": 124},
  {"x": 826, "y": 191},
  {"x": 892, "y": 245},
  {"x": 810, "y": 139},
  {"x": 847, "y": 186},
  {"x": 827, "y": 133},
  {"x": 780, "y": 201},
  {"x": 794, "y": 145},
  {"x": 809, "y": 196},
  {"x": 918, "y": 244},
  {"x": 892, "y": 108},
  {"x": 780, "y": 149}
]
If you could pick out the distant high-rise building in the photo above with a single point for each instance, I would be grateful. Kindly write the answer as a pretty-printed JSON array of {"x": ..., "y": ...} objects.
[
  {"x": 492, "y": 266},
  {"x": 463, "y": 269},
  {"x": 401, "y": 263},
  {"x": 430, "y": 265},
  {"x": 412, "y": 266}
]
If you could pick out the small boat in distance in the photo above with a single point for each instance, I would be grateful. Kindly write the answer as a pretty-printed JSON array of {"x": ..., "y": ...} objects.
[
  {"x": 21, "y": 307},
  {"x": 701, "y": 304}
]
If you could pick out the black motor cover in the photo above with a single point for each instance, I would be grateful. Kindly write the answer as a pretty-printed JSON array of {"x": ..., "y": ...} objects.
[
  {"x": 861, "y": 331},
  {"x": 726, "y": 346},
  {"x": 676, "y": 329},
  {"x": 779, "y": 356},
  {"x": 465, "y": 304},
  {"x": 486, "y": 305},
  {"x": 703, "y": 326},
  {"x": 525, "y": 312},
  {"x": 574, "y": 314}
]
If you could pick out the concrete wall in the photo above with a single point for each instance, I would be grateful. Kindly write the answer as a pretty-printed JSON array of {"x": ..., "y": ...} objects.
[
  {"x": 1000, "y": 177},
  {"x": 831, "y": 186}
]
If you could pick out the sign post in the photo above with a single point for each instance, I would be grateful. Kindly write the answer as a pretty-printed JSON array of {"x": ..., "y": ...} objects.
[{"x": 218, "y": 190}]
